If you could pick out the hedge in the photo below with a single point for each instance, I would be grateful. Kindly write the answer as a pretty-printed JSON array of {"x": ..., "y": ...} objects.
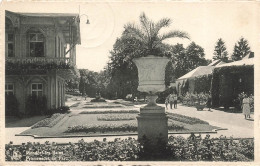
[{"x": 193, "y": 148}]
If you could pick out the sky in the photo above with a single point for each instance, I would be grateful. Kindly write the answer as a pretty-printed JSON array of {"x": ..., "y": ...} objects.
[{"x": 205, "y": 22}]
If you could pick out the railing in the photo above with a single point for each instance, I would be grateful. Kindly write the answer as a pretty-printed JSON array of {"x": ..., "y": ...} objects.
[{"x": 42, "y": 60}]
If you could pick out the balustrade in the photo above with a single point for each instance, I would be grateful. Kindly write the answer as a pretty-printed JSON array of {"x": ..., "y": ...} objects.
[{"x": 42, "y": 60}]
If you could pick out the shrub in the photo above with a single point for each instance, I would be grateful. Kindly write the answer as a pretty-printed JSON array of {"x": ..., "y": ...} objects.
[
  {"x": 192, "y": 99},
  {"x": 104, "y": 128},
  {"x": 98, "y": 100},
  {"x": 116, "y": 117},
  {"x": 109, "y": 111},
  {"x": 62, "y": 110},
  {"x": 49, "y": 122},
  {"x": 36, "y": 105},
  {"x": 193, "y": 148},
  {"x": 11, "y": 105}
]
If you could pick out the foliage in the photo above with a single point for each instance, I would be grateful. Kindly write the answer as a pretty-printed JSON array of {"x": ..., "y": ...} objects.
[
  {"x": 203, "y": 84},
  {"x": 98, "y": 100},
  {"x": 193, "y": 99},
  {"x": 62, "y": 110},
  {"x": 148, "y": 33},
  {"x": 163, "y": 95},
  {"x": 103, "y": 128},
  {"x": 218, "y": 99},
  {"x": 187, "y": 59},
  {"x": 36, "y": 105},
  {"x": 116, "y": 117},
  {"x": 11, "y": 105},
  {"x": 74, "y": 92},
  {"x": 109, "y": 111},
  {"x": 220, "y": 51},
  {"x": 49, "y": 122},
  {"x": 193, "y": 148},
  {"x": 241, "y": 49},
  {"x": 195, "y": 55},
  {"x": 114, "y": 127}
]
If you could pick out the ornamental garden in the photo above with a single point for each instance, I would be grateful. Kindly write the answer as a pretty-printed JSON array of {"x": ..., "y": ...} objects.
[{"x": 46, "y": 93}]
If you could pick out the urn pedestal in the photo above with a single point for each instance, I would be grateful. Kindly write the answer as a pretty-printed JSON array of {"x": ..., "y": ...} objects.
[
  {"x": 152, "y": 120},
  {"x": 153, "y": 124}
]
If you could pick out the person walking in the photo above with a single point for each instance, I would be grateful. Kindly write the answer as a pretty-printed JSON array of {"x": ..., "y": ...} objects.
[
  {"x": 246, "y": 107},
  {"x": 171, "y": 99},
  {"x": 175, "y": 99},
  {"x": 166, "y": 102},
  {"x": 209, "y": 100}
]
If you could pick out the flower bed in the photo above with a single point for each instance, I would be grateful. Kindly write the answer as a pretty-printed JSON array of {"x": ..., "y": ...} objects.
[
  {"x": 191, "y": 99},
  {"x": 185, "y": 119},
  {"x": 194, "y": 148},
  {"x": 109, "y": 111},
  {"x": 105, "y": 128},
  {"x": 49, "y": 122},
  {"x": 116, "y": 117},
  {"x": 102, "y": 106}
]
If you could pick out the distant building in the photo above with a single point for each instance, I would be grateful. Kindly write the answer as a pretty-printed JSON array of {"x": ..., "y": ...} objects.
[
  {"x": 40, "y": 54},
  {"x": 231, "y": 79},
  {"x": 186, "y": 83}
]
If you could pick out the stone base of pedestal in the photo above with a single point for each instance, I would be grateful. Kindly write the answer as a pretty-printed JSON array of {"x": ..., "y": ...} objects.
[{"x": 153, "y": 124}]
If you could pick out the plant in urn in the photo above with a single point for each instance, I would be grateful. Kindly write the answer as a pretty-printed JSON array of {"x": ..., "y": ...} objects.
[{"x": 152, "y": 120}]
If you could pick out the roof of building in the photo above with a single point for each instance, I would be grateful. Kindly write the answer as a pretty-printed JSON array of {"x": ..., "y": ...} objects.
[
  {"x": 199, "y": 71},
  {"x": 242, "y": 62},
  {"x": 63, "y": 20},
  {"x": 48, "y": 14}
]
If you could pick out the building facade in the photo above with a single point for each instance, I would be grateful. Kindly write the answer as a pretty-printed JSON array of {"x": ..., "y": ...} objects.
[{"x": 40, "y": 55}]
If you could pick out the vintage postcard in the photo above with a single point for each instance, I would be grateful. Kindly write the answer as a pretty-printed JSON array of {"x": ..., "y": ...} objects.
[{"x": 129, "y": 82}]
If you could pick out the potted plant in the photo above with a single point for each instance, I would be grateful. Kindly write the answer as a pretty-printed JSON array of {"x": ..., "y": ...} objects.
[{"x": 201, "y": 100}]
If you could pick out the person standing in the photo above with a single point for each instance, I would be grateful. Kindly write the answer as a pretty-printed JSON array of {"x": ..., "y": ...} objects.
[
  {"x": 171, "y": 99},
  {"x": 246, "y": 107},
  {"x": 175, "y": 99}
]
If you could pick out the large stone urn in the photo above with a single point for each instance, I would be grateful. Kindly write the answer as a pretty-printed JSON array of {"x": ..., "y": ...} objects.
[{"x": 152, "y": 120}]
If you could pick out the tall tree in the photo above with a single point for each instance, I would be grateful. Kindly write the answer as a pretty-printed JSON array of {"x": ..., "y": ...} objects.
[
  {"x": 188, "y": 59},
  {"x": 241, "y": 49},
  {"x": 220, "y": 51},
  {"x": 148, "y": 33},
  {"x": 195, "y": 55}
]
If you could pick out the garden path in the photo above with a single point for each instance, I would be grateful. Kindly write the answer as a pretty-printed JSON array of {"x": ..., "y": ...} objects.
[{"x": 235, "y": 123}]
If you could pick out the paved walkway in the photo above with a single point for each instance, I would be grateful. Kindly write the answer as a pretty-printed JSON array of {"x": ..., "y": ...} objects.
[{"x": 235, "y": 124}]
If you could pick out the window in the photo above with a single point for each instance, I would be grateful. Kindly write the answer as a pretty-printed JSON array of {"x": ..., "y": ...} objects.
[
  {"x": 10, "y": 45},
  {"x": 36, "y": 44},
  {"x": 37, "y": 89},
  {"x": 9, "y": 88},
  {"x": 9, "y": 38}
]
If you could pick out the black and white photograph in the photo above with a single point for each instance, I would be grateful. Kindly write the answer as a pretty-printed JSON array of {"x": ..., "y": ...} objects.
[{"x": 129, "y": 82}]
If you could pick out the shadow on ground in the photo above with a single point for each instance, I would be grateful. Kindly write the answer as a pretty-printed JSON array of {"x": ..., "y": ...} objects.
[{"x": 22, "y": 122}]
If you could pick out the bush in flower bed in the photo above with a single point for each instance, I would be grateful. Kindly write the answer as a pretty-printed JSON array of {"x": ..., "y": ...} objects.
[
  {"x": 62, "y": 110},
  {"x": 49, "y": 122},
  {"x": 194, "y": 148},
  {"x": 193, "y": 99},
  {"x": 185, "y": 119},
  {"x": 104, "y": 128},
  {"x": 116, "y": 117},
  {"x": 109, "y": 111}
]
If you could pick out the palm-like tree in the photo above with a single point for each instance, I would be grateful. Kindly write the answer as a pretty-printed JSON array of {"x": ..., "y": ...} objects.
[{"x": 148, "y": 32}]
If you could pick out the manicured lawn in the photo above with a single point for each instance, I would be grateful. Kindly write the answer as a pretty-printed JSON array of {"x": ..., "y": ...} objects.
[{"x": 61, "y": 128}]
